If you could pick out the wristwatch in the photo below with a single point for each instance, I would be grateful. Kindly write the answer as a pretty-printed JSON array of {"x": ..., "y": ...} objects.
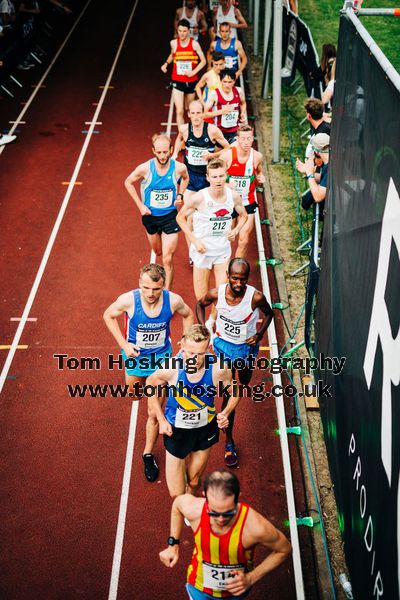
[
  {"x": 172, "y": 541},
  {"x": 179, "y": 194},
  {"x": 311, "y": 176}
]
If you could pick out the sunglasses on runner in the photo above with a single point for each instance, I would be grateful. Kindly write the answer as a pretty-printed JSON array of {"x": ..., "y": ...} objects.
[{"x": 226, "y": 515}]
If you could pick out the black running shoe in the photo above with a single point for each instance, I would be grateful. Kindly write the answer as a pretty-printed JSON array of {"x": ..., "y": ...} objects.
[{"x": 150, "y": 467}]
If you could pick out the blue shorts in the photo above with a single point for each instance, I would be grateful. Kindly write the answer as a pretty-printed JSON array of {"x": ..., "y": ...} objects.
[
  {"x": 195, "y": 594},
  {"x": 197, "y": 182},
  {"x": 137, "y": 370},
  {"x": 233, "y": 351}
]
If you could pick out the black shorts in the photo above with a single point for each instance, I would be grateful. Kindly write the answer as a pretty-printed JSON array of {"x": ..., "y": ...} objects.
[
  {"x": 249, "y": 208},
  {"x": 230, "y": 136},
  {"x": 166, "y": 223},
  {"x": 184, "y": 441},
  {"x": 187, "y": 87}
]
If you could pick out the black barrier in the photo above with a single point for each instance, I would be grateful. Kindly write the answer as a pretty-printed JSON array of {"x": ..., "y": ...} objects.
[
  {"x": 358, "y": 316},
  {"x": 299, "y": 52}
]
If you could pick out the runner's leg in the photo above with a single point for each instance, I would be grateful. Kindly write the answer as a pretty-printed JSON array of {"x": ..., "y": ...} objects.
[
  {"x": 244, "y": 237},
  {"x": 197, "y": 464},
  {"x": 179, "y": 101},
  {"x": 169, "y": 243},
  {"x": 175, "y": 474}
]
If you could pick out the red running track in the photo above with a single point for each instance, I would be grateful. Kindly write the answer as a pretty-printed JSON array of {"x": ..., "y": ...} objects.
[{"x": 62, "y": 459}]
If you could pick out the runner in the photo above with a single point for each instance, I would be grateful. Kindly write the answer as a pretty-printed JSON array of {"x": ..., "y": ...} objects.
[
  {"x": 228, "y": 13},
  {"x": 199, "y": 139},
  {"x": 237, "y": 337},
  {"x": 196, "y": 18},
  {"x": 226, "y": 532},
  {"x": 148, "y": 311},
  {"x": 228, "y": 104},
  {"x": 160, "y": 176},
  {"x": 231, "y": 48},
  {"x": 212, "y": 234},
  {"x": 211, "y": 79},
  {"x": 191, "y": 423},
  {"x": 188, "y": 60},
  {"x": 244, "y": 172}
]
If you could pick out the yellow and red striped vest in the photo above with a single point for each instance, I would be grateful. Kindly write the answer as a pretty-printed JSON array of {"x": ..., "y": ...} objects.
[
  {"x": 214, "y": 549},
  {"x": 184, "y": 54}
]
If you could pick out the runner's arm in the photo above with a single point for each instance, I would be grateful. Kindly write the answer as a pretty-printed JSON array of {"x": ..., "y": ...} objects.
[
  {"x": 259, "y": 168},
  {"x": 202, "y": 62},
  {"x": 139, "y": 173},
  {"x": 186, "y": 211},
  {"x": 170, "y": 59},
  {"x": 187, "y": 506},
  {"x": 242, "y": 58},
  {"x": 183, "y": 175},
  {"x": 123, "y": 303},
  {"x": 158, "y": 378},
  {"x": 199, "y": 88},
  {"x": 242, "y": 24},
  {"x": 238, "y": 206},
  {"x": 243, "y": 107},
  {"x": 179, "y": 142},
  {"x": 218, "y": 137},
  {"x": 206, "y": 300},
  {"x": 210, "y": 114},
  {"x": 180, "y": 307},
  {"x": 210, "y": 50},
  {"x": 202, "y": 23},
  {"x": 260, "y": 301},
  {"x": 260, "y": 531},
  {"x": 223, "y": 375}
]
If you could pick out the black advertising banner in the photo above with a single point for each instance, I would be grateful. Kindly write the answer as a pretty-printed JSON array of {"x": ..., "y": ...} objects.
[
  {"x": 299, "y": 52},
  {"x": 358, "y": 316}
]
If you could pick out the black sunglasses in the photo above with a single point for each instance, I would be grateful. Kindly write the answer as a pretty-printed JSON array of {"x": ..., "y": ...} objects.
[{"x": 227, "y": 514}]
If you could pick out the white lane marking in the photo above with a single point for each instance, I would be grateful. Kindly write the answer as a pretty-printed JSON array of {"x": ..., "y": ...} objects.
[
  {"x": 31, "y": 319},
  {"x": 39, "y": 85},
  {"x": 280, "y": 409},
  {"x": 61, "y": 213},
  {"x": 119, "y": 538}
]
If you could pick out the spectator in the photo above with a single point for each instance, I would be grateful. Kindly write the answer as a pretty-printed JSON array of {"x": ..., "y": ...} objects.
[
  {"x": 315, "y": 115},
  {"x": 317, "y": 181},
  {"x": 7, "y": 13},
  {"x": 327, "y": 56},
  {"x": 327, "y": 96}
]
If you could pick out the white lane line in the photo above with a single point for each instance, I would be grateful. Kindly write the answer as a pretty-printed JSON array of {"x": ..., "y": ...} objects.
[
  {"x": 39, "y": 85},
  {"x": 280, "y": 409},
  {"x": 61, "y": 213},
  {"x": 119, "y": 538}
]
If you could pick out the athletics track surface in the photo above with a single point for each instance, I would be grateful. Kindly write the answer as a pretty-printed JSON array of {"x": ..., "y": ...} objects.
[{"x": 62, "y": 459}]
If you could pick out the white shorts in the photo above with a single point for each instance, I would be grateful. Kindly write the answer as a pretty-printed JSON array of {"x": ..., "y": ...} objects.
[{"x": 205, "y": 261}]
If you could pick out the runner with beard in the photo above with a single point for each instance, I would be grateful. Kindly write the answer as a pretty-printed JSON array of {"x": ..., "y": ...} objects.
[
  {"x": 237, "y": 336},
  {"x": 163, "y": 182}
]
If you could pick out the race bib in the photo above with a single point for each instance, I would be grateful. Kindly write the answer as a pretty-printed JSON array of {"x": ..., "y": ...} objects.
[
  {"x": 193, "y": 32},
  {"x": 161, "y": 198},
  {"x": 242, "y": 184},
  {"x": 230, "y": 119},
  {"x": 191, "y": 419},
  {"x": 220, "y": 227},
  {"x": 151, "y": 339},
  {"x": 195, "y": 156},
  {"x": 235, "y": 332},
  {"x": 183, "y": 67},
  {"x": 216, "y": 576},
  {"x": 229, "y": 64},
  {"x": 214, "y": 4}
]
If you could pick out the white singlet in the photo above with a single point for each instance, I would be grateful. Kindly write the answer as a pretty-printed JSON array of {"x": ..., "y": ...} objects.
[
  {"x": 213, "y": 222},
  {"x": 229, "y": 18},
  {"x": 193, "y": 20},
  {"x": 235, "y": 324}
]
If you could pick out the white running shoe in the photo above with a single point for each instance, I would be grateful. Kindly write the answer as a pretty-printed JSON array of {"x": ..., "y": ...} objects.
[{"x": 6, "y": 139}]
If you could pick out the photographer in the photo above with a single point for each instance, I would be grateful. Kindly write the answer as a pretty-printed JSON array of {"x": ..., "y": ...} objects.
[{"x": 317, "y": 181}]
